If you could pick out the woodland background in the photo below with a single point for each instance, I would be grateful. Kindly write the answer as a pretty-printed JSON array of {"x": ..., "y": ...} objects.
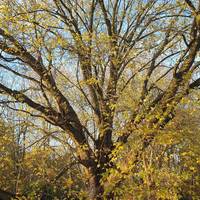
[{"x": 99, "y": 99}]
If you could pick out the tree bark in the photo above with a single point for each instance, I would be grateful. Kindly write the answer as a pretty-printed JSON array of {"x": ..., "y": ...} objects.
[
  {"x": 95, "y": 188},
  {"x": 6, "y": 195},
  {"x": 96, "y": 171}
]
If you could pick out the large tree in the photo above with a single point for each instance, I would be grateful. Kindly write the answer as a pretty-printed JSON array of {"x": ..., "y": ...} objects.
[{"x": 77, "y": 63}]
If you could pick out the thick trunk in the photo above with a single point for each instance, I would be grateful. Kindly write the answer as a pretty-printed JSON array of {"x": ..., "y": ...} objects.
[
  {"x": 95, "y": 188},
  {"x": 6, "y": 195}
]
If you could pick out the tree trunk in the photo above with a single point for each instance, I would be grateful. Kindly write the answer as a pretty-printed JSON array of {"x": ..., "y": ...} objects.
[
  {"x": 95, "y": 188},
  {"x": 6, "y": 195}
]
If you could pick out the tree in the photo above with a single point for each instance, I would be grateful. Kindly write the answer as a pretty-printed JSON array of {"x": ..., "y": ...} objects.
[
  {"x": 29, "y": 171},
  {"x": 75, "y": 62},
  {"x": 6, "y": 146},
  {"x": 169, "y": 167}
]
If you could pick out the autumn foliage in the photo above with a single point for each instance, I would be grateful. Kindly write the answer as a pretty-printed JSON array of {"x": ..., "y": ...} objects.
[{"x": 99, "y": 99}]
